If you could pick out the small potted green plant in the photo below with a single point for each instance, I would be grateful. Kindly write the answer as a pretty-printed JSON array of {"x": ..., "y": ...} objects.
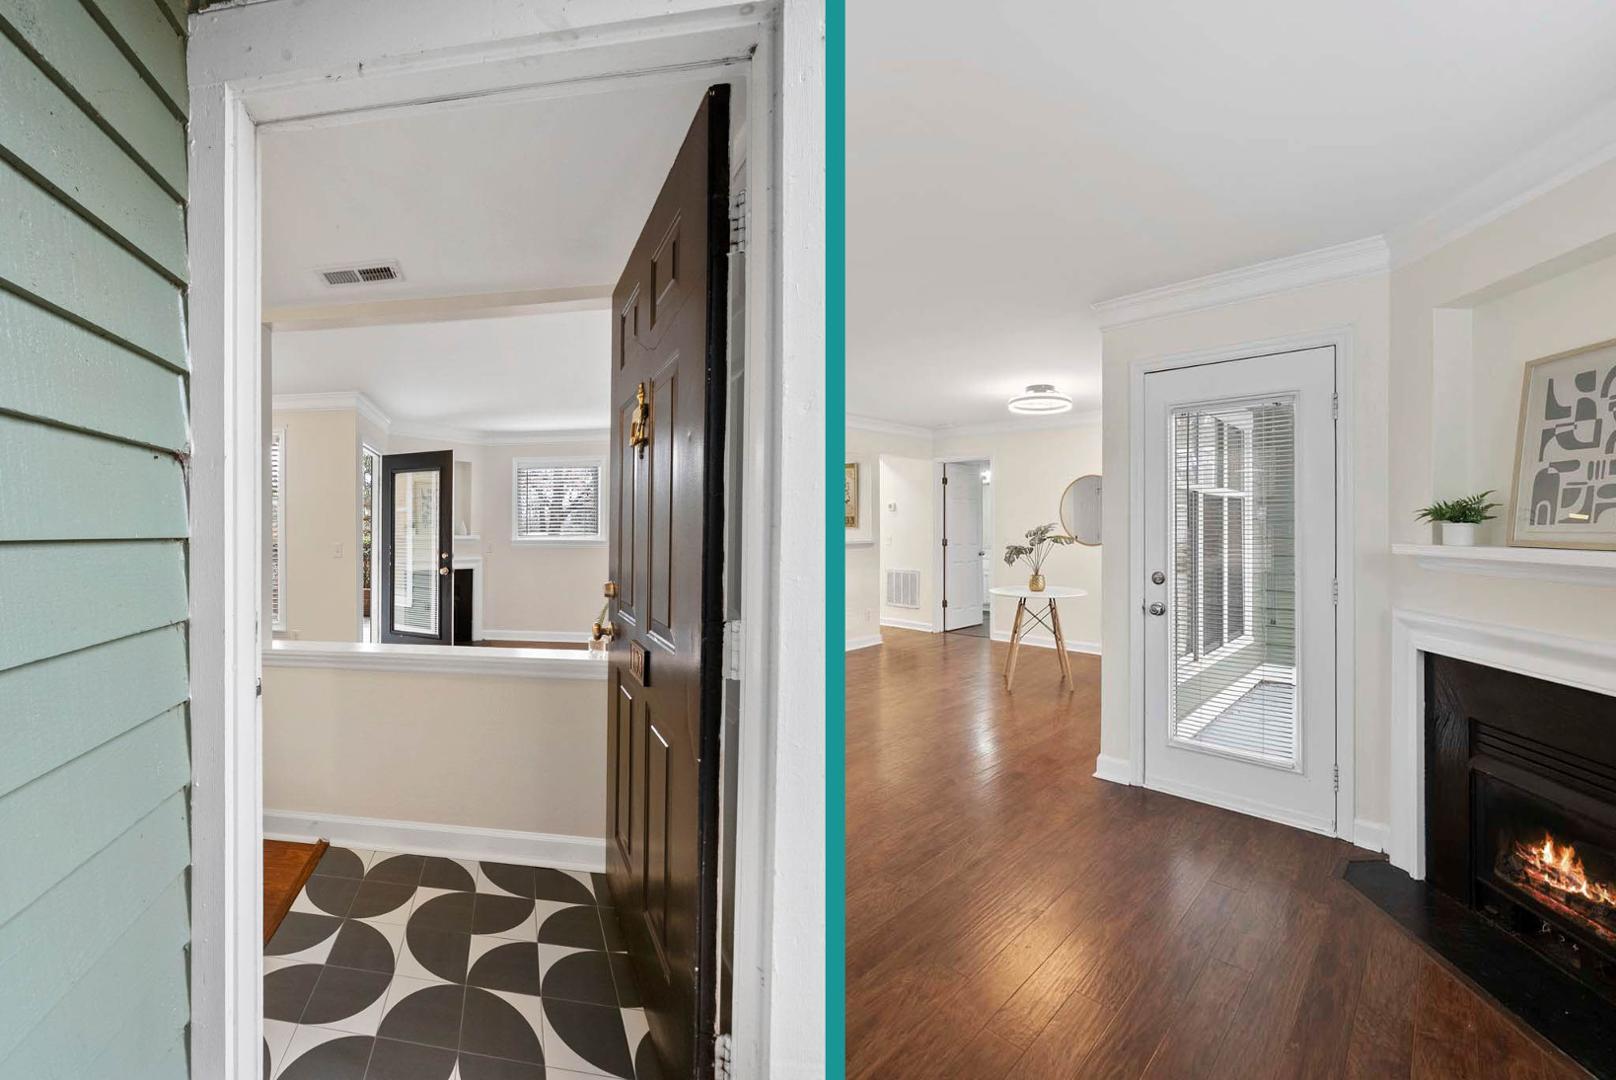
[
  {"x": 1459, "y": 518},
  {"x": 1040, "y": 542}
]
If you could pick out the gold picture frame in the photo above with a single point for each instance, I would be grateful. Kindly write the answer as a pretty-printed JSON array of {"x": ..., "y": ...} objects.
[{"x": 850, "y": 494}]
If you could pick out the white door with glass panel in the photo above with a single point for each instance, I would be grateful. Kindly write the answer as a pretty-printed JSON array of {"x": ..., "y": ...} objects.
[
  {"x": 962, "y": 545},
  {"x": 1239, "y": 569}
]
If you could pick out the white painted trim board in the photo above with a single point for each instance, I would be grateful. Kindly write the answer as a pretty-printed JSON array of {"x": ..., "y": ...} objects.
[{"x": 585, "y": 853}]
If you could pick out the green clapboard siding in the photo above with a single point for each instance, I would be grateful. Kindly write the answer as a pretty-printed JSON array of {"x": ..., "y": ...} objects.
[
  {"x": 48, "y": 134},
  {"x": 66, "y": 40},
  {"x": 52, "y": 369},
  {"x": 50, "y": 252},
  {"x": 94, "y": 712},
  {"x": 122, "y": 490},
  {"x": 151, "y": 43}
]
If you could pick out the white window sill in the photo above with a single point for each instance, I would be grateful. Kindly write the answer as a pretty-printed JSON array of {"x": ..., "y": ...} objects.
[
  {"x": 439, "y": 659},
  {"x": 560, "y": 541}
]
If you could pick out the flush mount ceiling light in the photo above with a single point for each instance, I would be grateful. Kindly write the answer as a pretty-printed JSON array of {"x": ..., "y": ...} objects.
[{"x": 1040, "y": 399}]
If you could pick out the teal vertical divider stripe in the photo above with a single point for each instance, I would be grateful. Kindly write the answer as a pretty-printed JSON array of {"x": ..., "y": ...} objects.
[{"x": 835, "y": 548}]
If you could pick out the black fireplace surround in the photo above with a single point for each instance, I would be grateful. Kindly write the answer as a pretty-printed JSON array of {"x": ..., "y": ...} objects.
[{"x": 1520, "y": 809}]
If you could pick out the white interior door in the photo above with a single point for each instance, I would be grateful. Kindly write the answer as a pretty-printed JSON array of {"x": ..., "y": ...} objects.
[
  {"x": 1239, "y": 592},
  {"x": 962, "y": 545}
]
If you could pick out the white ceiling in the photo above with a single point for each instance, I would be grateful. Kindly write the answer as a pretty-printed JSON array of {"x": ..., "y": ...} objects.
[
  {"x": 485, "y": 197},
  {"x": 547, "y": 372},
  {"x": 1010, "y": 164}
]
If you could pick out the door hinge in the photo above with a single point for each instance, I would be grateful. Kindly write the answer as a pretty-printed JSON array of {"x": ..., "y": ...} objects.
[
  {"x": 260, "y": 692},
  {"x": 945, "y": 603},
  {"x": 724, "y": 1057},
  {"x": 1335, "y": 405},
  {"x": 1335, "y": 591},
  {"x": 737, "y": 222},
  {"x": 1335, "y": 777},
  {"x": 945, "y": 479},
  {"x": 945, "y": 541},
  {"x": 732, "y": 649}
]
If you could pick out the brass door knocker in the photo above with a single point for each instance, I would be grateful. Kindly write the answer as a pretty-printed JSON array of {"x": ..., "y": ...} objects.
[{"x": 639, "y": 427}]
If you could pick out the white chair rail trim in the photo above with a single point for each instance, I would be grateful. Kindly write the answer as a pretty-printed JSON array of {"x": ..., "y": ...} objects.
[{"x": 439, "y": 659}]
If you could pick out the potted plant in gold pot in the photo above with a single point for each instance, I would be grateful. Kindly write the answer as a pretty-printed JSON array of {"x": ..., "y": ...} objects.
[{"x": 1040, "y": 542}]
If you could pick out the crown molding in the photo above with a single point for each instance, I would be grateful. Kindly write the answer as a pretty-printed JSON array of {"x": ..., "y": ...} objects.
[
  {"x": 476, "y": 437},
  {"x": 1342, "y": 262},
  {"x": 1022, "y": 425},
  {"x": 1559, "y": 159},
  {"x": 336, "y": 401},
  {"x": 887, "y": 427}
]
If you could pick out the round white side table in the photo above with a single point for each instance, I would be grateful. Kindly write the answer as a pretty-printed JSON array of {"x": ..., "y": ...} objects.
[{"x": 1048, "y": 617}]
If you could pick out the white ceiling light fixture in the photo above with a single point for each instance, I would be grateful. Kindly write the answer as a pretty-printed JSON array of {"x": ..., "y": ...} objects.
[{"x": 1040, "y": 399}]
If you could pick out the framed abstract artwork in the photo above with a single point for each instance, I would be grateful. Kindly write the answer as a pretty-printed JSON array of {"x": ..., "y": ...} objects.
[{"x": 1565, "y": 453}]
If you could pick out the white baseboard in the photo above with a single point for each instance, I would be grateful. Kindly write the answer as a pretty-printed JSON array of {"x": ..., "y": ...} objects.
[
  {"x": 455, "y": 841},
  {"x": 1046, "y": 641},
  {"x": 535, "y": 635},
  {"x": 1371, "y": 835},
  {"x": 864, "y": 642},
  {"x": 907, "y": 624},
  {"x": 1116, "y": 770}
]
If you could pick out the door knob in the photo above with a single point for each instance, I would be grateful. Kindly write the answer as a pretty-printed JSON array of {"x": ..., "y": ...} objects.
[
  {"x": 604, "y": 631},
  {"x": 1158, "y": 608},
  {"x": 443, "y": 571}
]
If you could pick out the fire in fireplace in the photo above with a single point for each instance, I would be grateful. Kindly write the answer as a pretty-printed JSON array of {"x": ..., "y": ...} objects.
[{"x": 1553, "y": 875}]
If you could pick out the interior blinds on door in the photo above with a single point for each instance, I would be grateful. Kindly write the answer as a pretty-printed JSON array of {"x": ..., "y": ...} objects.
[
  {"x": 1234, "y": 588},
  {"x": 557, "y": 500},
  {"x": 417, "y": 502},
  {"x": 277, "y": 450}
]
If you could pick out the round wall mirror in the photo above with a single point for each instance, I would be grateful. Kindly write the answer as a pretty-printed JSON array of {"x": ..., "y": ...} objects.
[{"x": 1080, "y": 510}]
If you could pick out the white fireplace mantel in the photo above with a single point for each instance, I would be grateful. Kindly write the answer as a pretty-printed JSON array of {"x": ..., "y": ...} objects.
[{"x": 1573, "y": 661}]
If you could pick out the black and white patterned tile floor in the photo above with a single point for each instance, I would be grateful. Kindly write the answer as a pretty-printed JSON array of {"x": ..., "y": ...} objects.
[{"x": 410, "y": 967}]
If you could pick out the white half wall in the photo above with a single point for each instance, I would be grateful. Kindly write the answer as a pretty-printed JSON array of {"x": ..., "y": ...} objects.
[
  {"x": 460, "y": 751},
  {"x": 320, "y": 553}
]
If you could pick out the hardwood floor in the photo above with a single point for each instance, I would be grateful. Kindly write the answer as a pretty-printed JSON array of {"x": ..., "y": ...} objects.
[
  {"x": 287, "y": 867},
  {"x": 1008, "y": 915}
]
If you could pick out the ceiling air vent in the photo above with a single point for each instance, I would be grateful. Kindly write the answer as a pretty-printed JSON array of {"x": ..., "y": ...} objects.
[{"x": 366, "y": 274}]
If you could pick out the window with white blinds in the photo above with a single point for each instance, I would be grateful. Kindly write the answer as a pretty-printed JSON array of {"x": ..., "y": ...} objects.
[
  {"x": 277, "y": 527},
  {"x": 1234, "y": 580},
  {"x": 556, "y": 499}
]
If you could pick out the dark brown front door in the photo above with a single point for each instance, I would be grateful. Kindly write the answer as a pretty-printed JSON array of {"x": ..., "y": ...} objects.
[
  {"x": 666, "y": 563},
  {"x": 416, "y": 574}
]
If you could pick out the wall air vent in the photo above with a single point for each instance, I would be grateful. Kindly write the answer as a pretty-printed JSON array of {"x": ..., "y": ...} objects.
[{"x": 372, "y": 273}]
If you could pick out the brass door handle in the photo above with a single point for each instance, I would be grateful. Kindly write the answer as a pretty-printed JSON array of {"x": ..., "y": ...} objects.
[{"x": 604, "y": 630}]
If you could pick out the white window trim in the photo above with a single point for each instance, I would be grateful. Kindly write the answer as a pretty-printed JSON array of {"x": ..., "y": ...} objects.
[
  {"x": 518, "y": 464},
  {"x": 278, "y": 620}
]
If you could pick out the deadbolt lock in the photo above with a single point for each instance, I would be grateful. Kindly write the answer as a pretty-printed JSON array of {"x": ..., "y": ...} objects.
[
  {"x": 1157, "y": 578},
  {"x": 610, "y": 591}
]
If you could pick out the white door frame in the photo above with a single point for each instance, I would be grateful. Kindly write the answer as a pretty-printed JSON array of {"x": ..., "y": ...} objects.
[
  {"x": 257, "y": 63},
  {"x": 1340, "y": 338},
  {"x": 937, "y": 560}
]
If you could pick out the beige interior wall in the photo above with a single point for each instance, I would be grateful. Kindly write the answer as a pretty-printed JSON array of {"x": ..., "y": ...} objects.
[
  {"x": 1031, "y": 470},
  {"x": 906, "y": 512},
  {"x": 545, "y": 592},
  {"x": 321, "y": 557},
  {"x": 863, "y": 565},
  {"x": 478, "y": 751},
  {"x": 1535, "y": 281}
]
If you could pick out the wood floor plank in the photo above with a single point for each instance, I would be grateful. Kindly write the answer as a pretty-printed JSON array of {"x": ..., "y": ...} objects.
[{"x": 1009, "y": 915}]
